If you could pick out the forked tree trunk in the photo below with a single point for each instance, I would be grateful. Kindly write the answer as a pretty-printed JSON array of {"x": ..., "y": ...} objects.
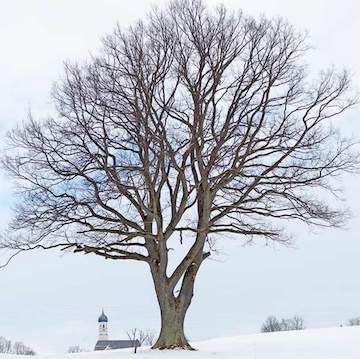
[
  {"x": 172, "y": 334},
  {"x": 173, "y": 310}
]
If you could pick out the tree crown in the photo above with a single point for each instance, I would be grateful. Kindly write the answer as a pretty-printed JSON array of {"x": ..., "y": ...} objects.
[{"x": 192, "y": 122}]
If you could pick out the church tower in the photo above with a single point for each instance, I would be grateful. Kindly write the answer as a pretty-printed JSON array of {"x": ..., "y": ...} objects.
[{"x": 103, "y": 329}]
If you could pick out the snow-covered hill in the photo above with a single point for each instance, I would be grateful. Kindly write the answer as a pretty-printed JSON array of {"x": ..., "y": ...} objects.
[{"x": 331, "y": 343}]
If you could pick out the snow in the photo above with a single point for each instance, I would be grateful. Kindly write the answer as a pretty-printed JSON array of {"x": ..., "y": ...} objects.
[{"x": 330, "y": 343}]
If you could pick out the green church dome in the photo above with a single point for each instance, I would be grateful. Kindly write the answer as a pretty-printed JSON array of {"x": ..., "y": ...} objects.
[{"x": 103, "y": 317}]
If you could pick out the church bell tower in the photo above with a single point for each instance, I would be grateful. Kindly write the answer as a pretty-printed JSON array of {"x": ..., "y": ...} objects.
[{"x": 103, "y": 329}]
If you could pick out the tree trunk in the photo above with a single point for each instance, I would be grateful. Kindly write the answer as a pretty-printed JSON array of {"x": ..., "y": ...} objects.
[
  {"x": 173, "y": 310},
  {"x": 172, "y": 335}
]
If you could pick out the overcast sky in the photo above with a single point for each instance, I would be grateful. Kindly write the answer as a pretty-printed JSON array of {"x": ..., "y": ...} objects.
[{"x": 51, "y": 302}]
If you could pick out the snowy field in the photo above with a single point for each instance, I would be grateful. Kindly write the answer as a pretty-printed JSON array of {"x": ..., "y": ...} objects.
[{"x": 331, "y": 343}]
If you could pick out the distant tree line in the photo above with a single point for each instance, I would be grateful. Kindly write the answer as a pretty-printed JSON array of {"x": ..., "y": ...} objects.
[
  {"x": 297, "y": 322},
  {"x": 18, "y": 348},
  {"x": 272, "y": 324}
]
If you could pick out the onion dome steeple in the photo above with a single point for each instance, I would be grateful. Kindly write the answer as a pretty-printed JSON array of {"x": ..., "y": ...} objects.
[{"x": 103, "y": 318}]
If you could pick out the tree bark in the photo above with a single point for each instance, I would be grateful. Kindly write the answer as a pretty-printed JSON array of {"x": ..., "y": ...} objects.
[
  {"x": 172, "y": 334},
  {"x": 173, "y": 310}
]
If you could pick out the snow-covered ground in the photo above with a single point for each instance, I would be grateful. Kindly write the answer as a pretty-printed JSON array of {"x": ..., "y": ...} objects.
[{"x": 330, "y": 343}]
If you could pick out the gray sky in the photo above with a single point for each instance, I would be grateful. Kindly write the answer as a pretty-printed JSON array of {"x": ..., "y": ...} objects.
[{"x": 51, "y": 302}]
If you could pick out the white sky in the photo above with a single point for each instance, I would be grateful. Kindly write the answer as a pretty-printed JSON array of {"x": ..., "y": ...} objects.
[{"x": 51, "y": 302}]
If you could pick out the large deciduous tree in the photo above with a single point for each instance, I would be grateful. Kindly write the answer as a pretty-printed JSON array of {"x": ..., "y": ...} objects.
[{"x": 186, "y": 126}]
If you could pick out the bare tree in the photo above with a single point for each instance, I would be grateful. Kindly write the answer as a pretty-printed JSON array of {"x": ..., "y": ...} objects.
[
  {"x": 188, "y": 126},
  {"x": 141, "y": 336},
  {"x": 18, "y": 348},
  {"x": 135, "y": 336},
  {"x": 5, "y": 346},
  {"x": 150, "y": 337},
  {"x": 271, "y": 324},
  {"x": 353, "y": 321},
  {"x": 144, "y": 336},
  {"x": 76, "y": 349},
  {"x": 297, "y": 322}
]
